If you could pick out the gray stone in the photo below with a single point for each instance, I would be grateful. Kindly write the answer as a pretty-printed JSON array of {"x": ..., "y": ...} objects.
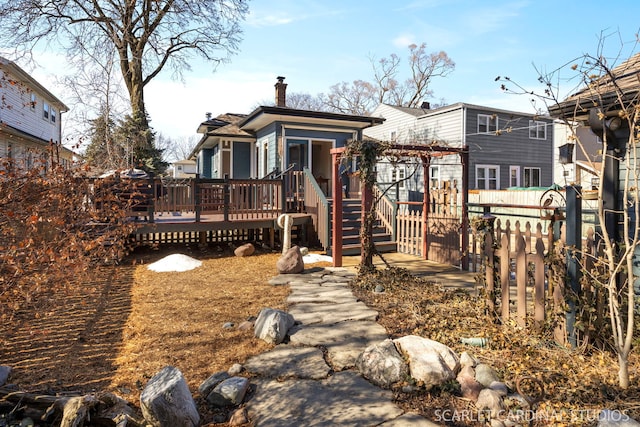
[
  {"x": 316, "y": 294},
  {"x": 422, "y": 363},
  {"x": 485, "y": 374},
  {"x": 310, "y": 313},
  {"x": 491, "y": 400},
  {"x": 245, "y": 250},
  {"x": 467, "y": 371},
  {"x": 167, "y": 402},
  {"x": 272, "y": 325},
  {"x": 290, "y": 262},
  {"x": 343, "y": 399},
  {"x": 609, "y": 418},
  {"x": 344, "y": 341},
  {"x": 235, "y": 369},
  {"x": 228, "y": 325},
  {"x": 229, "y": 392},
  {"x": 500, "y": 387},
  {"x": 304, "y": 250},
  {"x": 379, "y": 289},
  {"x": 467, "y": 359},
  {"x": 382, "y": 364},
  {"x": 245, "y": 325},
  {"x": 286, "y": 361},
  {"x": 215, "y": 379},
  {"x": 5, "y": 371}
]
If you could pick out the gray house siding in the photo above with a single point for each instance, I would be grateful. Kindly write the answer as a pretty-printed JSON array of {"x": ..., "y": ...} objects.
[
  {"x": 204, "y": 162},
  {"x": 512, "y": 146}
]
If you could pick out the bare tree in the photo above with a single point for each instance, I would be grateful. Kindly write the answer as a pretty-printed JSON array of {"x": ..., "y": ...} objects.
[
  {"x": 361, "y": 97},
  {"x": 176, "y": 149},
  {"x": 148, "y": 36},
  {"x": 356, "y": 98},
  {"x": 608, "y": 101},
  {"x": 297, "y": 100}
]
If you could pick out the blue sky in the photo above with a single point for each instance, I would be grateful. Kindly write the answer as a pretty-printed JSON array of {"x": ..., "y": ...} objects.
[{"x": 317, "y": 43}]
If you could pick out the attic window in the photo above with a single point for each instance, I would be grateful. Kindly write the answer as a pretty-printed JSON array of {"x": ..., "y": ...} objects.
[
  {"x": 33, "y": 102},
  {"x": 45, "y": 111},
  {"x": 537, "y": 130}
]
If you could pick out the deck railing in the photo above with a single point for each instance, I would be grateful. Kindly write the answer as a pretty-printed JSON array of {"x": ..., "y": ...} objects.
[
  {"x": 386, "y": 210},
  {"x": 235, "y": 199}
]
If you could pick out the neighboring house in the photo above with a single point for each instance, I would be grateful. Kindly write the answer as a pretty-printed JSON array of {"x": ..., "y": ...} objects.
[
  {"x": 274, "y": 138},
  {"x": 184, "y": 169},
  {"x": 506, "y": 148},
  {"x": 30, "y": 120}
]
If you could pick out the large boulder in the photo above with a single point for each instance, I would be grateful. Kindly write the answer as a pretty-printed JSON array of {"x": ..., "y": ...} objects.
[
  {"x": 245, "y": 250},
  {"x": 430, "y": 362},
  {"x": 291, "y": 262},
  {"x": 167, "y": 402},
  {"x": 272, "y": 325},
  {"x": 382, "y": 364},
  {"x": 486, "y": 375}
]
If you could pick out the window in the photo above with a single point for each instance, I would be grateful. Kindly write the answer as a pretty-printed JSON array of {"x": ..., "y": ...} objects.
[
  {"x": 487, "y": 124},
  {"x": 532, "y": 177},
  {"x": 398, "y": 175},
  {"x": 53, "y": 115},
  {"x": 434, "y": 176},
  {"x": 537, "y": 130},
  {"x": 45, "y": 111},
  {"x": 393, "y": 135},
  {"x": 514, "y": 176},
  {"x": 33, "y": 102},
  {"x": 487, "y": 177}
]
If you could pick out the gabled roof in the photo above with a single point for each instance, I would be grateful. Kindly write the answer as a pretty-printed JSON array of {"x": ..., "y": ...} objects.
[
  {"x": 603, "y": 91},
  {"x": 412, "y": 111},
  {"x": 264, "y": 115},
  {"x": 220, "y": 121},
  {"x": 26, "y": 77}
]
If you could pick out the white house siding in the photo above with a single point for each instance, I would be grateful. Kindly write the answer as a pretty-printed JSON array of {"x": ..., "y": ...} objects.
[
  {"x": 16, "y": 110},
  {"x": 398, "y": 121}
]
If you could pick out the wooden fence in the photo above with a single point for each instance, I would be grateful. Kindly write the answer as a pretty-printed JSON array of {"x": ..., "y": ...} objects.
[{"x": 518, "y": 270}]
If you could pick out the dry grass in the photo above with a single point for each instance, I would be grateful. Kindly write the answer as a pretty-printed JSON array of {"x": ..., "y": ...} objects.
[{"x": 115, "y": 333}]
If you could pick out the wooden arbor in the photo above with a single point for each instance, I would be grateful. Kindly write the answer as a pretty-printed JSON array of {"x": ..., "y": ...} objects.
[{"x": 425, "y": 152}]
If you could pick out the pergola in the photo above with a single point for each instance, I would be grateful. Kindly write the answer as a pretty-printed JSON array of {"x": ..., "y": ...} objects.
[{"x": 425, "y": 152}]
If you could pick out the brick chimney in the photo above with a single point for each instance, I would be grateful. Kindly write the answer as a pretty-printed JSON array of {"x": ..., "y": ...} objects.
[{"x": 281, "y": 92}]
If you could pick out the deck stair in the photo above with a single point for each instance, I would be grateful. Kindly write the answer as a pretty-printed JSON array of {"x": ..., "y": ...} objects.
[{"x": 351, "y": 225}]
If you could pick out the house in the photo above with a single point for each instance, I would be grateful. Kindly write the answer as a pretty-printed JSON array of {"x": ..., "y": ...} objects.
[
  {"x": 273, "y": 139},
  {"x": 30, "y": 120},
  {"x": 506, "y": 148},
  {"x": 183, "y": 169},
  {"x": 574, "y": 165}
]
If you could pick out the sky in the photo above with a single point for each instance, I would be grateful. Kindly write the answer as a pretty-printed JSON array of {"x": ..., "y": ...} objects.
[{"x": 318, "y": 43}]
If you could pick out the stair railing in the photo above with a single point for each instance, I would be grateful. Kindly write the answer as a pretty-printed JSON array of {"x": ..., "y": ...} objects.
[{"x": 316, "y": 204}]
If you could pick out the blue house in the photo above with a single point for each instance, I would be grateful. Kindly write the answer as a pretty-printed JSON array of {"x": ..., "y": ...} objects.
[{"x": 273, "y": 139}]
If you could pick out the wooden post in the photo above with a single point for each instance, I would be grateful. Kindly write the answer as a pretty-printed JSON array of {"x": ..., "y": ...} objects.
[
  {"x": 521, "y": 281},
  {"x": 226, "y": 197},
  {"x": 464, "y": 159},
  {"x": 504, "y": 276},
  {"x": 336, "y": 229},
  {"x": 489, "y": 275},
  {"x": 367, "y": 202},
  {"x": 539, "y": 295},
  {"x": 196, "y": 197},
  {"x": 426, "y": 161}
]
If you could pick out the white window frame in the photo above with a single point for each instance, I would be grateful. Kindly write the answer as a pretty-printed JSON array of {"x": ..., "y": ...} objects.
[
  {"x": 434, "y": 175},
  {"x": 513, "y": 169},
  {"x": 486, "y": 169},
  {"x": 52, "y": 114},
  {"x": 398, "y": 174},
  {"x": 528, "y": 170},
  {"x": 537, "y": 130},
  {"x": 33, "y": 101},
  {"x": 45, "y": 111},
  {"x": 489, "y": 122}
]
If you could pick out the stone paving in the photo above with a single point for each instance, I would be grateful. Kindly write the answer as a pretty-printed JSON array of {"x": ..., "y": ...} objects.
[{"x": 310, "y": 381}]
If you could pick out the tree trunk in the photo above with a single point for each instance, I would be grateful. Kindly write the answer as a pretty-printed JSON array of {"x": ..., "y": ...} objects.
[{"x": 623, "y": 369}]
